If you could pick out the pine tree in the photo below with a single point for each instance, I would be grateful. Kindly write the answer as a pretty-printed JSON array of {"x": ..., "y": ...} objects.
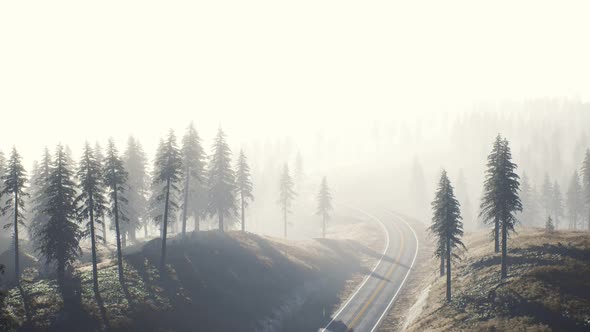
[
  {"x": 221, "y": 181},
  {"x": 135, "y": 163},
  {"x": 91, "y": 201},
  {"x": 168, "y": 171},
  {"x": 501, "y": 201},
  {"x": 299, "y": 172},
  {"x": 59, "y": 237},
  {"x": 98, "y": 155},
  {"x": 115, "y": 180},
  {"x": 286, "y": 195},
  {"x": 557, "y": 204},
  {"x": 446, "y": 224},
  {"x": 3, "y": 219},
  {"x": 529, "y": 202},
  {"x": 14, "y": 181},
  {"x": 192, "y": 176},
  {"x": 39, "y": 185},
  {"x": 586, "y": 184},
  {"x": 243, "y": 185},
  {"x": 549, "y": 227},
  {"x": 547, "y": 195},
  {"x": 489, "y": 210},
  {"x": 324, "y": 204},
  {"x": 575, "y": 201}
]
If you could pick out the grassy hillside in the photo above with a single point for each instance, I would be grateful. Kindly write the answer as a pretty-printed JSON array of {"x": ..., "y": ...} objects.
[
  {"x": 548, "y": 288},
  {"x": 214, "y": 281}
]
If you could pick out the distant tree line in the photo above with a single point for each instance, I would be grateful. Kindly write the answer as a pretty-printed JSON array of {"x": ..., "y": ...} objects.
[{"x": 66, "y": 202}]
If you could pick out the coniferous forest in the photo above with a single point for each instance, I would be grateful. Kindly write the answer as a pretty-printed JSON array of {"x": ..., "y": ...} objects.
[{"x": 298, "y": 166}]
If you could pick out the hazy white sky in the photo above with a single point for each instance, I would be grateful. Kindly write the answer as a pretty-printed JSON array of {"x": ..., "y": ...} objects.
[{"x": 75, "y": 70}]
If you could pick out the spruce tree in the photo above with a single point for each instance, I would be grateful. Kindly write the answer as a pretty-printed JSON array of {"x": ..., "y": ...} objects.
[
  {"x": 193, "y": 166},
  {"x": 489, "y": 209},
  {"x": 446, "y": 225},
  {"x": 39, "y": 197},
  {"x": 135, "y": 163},
  {"x": 91, "y": 201},
  {"x": 501, "y": 201},
  {"x": 547, "y": 195},
  {"x": 115, "y": 180},
  {"x": 59, "y": 237},
  {"x": 221, "y": 181},
  {"x": 98, "y": 155},
  {"x": 557, "y": 204},
  {"x": 168, "y": 171},
  {"x": 243, "y": 185},
  {"x": 529, "y": 202},
  {"x": 586, "y": 184},
  {"x": 286, "y": 195},
  {"x": 324, "y": 204},
  {"x": 549, "y": 227},
  {"x": 575, "y": 201},
  {"x": 14, "y": 180},
  {"x": 3, "y": 219}
]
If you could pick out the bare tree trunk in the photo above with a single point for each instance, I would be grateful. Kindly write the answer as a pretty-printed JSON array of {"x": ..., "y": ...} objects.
[
  {"x": 197, "y": 220},
  {"x": 497, "y": 235},
  {"x": 93, "y": 246},
  {"x": 221, "y": 226},
  {"x": 324, "y": 225},
  {"x": 104, "y": 231},
  {"x": 165, "y": 224},
  {"x": 118, "y": 235},
  {"x": 16, "y": 254},
  {"x": 442, "y": 264},
  {"x": 185, "y": 206},
  {"x": 285, "y": 221},
  {"x": 145, "y": 231},
  {"x": 504, "y": 252},
  {"x": 243, "y": 217},
  {"x": 449, "y": 270}
]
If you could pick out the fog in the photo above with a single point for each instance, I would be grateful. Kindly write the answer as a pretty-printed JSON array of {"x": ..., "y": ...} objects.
[{"x": 363, "y": 91}]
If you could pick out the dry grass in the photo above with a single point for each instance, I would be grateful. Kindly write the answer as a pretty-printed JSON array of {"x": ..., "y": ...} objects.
[
  {"x": 214, "y": 281},
  {"x": 548, "y": 287}
]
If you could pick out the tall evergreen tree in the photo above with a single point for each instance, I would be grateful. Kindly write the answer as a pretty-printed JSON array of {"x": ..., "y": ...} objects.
[
  {"x": 446, "y": 224},
  {"x": 557, "y": 204},
  {"x": 243, "y": 185},
  {"x": 14, "y": 181},
  {"x": 91, "y": 201},
  {"x": 221, "y": 181},
  {"x": 489, "y": 210},
  {"x": 575, "y": 201},
  {"x": 135, "y": 163},
  {"x": 3, "y": 219},
  {"x": 99, "y": 156},
  {"x": 193, "y": 166},
  {"x": 286, "y": 195},
  {"x": 59, "y": 237},
  {"x": 115, "y": 180},
  {"x": 324, "y": 204},
  {"x": 299, "y": 171},
  {"x": 586, "y": 184},
  {"x": 547, "y": 195},
  {"x": 530, "y": 211},
  {"x": 39, "y": 185},
  {"x": 501, "y": 201},
  {"x": 168, "y": 171}
]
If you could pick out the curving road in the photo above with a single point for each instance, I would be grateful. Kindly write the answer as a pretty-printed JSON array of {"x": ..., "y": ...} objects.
[{"x": 369, "y": 304}]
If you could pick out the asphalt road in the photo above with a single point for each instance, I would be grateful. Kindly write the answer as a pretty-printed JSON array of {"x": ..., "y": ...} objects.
[{"x": 366, "y": 308}]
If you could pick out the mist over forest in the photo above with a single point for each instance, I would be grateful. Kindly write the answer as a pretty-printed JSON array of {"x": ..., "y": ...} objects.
[{"x": 324, "y": 166}]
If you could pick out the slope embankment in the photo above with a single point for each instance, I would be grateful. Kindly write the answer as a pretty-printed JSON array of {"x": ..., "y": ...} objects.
[
  {"x": 213, "y": 281},
  {"x": 548, "y": 288}
]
